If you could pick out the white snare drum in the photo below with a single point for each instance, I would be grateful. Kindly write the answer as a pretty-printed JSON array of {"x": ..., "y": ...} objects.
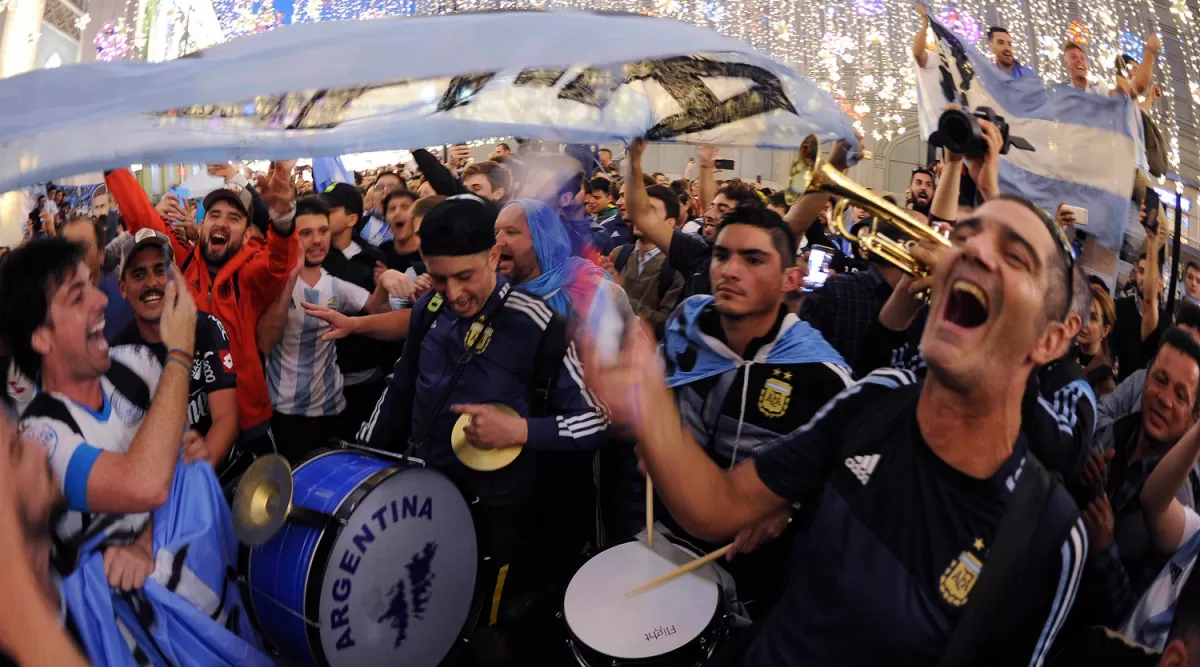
[{"x": 673, "y": 624}]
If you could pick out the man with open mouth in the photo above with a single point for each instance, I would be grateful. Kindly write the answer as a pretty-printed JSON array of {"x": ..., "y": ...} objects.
[
  {"x": 921, "y": 483},
  {"x": 232, "y": 280}
]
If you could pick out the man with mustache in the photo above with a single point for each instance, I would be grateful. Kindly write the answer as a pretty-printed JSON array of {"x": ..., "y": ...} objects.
[
  {"x": 914, "y": 478},
  {"x": 1000, "y": 44},
  {"x": 921, "y": 189},
  {"x": 212, "y": 392},
  {"x": 232, "y": 280}
]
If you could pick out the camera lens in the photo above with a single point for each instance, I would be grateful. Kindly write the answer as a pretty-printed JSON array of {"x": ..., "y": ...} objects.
[{"x": 955, "y": 129}]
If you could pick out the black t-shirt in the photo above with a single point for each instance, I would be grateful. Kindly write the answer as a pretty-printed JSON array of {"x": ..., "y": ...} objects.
[
  {"x": 401, "y": 263},
  {"x": 898, "y": 541},
  {"x": 691, "y": 256},
  {"x": 1130, "y": 352},
  {"x": 212, "y": 365}
]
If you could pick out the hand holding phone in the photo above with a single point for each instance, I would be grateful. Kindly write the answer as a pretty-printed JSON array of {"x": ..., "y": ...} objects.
[{"x": 820, "y": 259}]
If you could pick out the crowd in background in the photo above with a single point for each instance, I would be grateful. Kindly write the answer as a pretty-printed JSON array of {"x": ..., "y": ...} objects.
[{"x": 857, "y": 431}]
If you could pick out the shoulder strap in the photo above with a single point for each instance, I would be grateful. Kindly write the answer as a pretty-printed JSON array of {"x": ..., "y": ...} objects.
[
  {"x": 45, "y": 405},
  {"x": 1009, "y": 557},
  {"x": 549, "y": 356},
  {"x": 623, "y": 257},
  {"x": 130, "y": 384},
  {"x": 470, "y": 353}
]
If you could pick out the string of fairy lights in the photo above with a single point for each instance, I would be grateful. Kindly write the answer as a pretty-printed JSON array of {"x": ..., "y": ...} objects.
[{"x": 857, "y": 50}]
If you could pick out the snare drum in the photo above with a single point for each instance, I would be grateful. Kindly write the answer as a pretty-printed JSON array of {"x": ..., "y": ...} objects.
[
  {"x": 386, "y": 578},
  {"x": 677, "y": 623}
]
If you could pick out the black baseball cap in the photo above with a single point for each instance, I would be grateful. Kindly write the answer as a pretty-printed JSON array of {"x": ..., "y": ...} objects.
[
  {"x": 345, "y": 196},
  {"x": 234, "y": 195}
]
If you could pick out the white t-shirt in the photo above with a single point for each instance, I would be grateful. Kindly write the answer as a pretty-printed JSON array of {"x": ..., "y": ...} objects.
[
  {"x": 111, "y": 429},
  {"x": 302, "y": 372}
]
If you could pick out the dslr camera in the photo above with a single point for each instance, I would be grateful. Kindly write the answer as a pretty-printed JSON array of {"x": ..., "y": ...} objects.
[{"x": 958, "y": 131}]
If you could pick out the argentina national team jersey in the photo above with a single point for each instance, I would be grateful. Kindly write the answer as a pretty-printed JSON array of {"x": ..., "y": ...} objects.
[
  {"x": 72, "y": 454},
  {"x": 302, "y": 371},
  {"x": 899, "y": 540}
]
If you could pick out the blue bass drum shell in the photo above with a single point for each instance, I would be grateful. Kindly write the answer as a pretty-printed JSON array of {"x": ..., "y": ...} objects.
[{"x": 389, "y": 581}]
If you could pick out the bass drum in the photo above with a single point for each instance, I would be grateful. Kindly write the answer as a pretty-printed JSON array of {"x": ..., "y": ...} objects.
[{"x": 384, "y": 576}]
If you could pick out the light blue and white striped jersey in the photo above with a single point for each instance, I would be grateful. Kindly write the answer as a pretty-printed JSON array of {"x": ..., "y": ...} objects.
[{"x": 302, "y": 371}]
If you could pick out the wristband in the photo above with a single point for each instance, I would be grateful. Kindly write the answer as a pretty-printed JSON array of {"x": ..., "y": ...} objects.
[
  {"x": 180, "y": 355},
  {"x": 187, "y": 366},
  {"x": 177, "y": 350}
]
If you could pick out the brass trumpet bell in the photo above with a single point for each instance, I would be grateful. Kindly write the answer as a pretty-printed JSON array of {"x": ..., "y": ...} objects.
[{"x": 810, "y": 173}]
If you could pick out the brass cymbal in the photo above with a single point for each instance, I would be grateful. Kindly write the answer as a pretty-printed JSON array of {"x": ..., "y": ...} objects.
[
  {"x": 478, "y": 458},
  {"x": 263, "y": 500}
]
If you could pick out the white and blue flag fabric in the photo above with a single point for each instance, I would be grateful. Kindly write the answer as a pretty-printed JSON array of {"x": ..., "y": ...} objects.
[{"x": 1086, "y": 145}]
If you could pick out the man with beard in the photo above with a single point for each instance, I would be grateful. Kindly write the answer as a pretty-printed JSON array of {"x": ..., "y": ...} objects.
[
  {"x": 1000, "y": 44},
  {"x": 914, "y": 479},
  {"x": 212, "y": 392},
  {"x": 229, "y": 279},
  {"x": 686, "y": 253},
  {"x": 302, "y": 372},
  {"x": 920, "y": 191}
]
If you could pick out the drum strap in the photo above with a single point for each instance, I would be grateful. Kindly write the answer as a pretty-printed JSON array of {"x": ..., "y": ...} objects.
[{"x": 469, "y": 353}]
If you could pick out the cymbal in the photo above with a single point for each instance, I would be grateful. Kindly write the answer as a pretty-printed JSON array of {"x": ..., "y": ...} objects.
[
  {"x": 263, "y": 500},
  {"x": 478, "y": 458}
]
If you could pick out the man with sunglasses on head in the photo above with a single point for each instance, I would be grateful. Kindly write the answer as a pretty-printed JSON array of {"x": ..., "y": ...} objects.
[{"x": 921, "y": 548}]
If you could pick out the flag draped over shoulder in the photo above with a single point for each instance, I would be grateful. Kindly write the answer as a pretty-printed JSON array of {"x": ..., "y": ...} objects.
[
  {"x": 1087, "y": 144},
  {"x": 337, "y": 87}
]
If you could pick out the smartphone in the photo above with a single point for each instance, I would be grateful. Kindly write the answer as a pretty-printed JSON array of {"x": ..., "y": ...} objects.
[
  {"x": 1081, "y": 214},
  {"x": 723, "y": 164},
  {"x": 820, "y": 258}
]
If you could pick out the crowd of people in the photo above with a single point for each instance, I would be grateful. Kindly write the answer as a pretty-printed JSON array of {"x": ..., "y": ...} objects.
[{"x": 992, "y": 461}]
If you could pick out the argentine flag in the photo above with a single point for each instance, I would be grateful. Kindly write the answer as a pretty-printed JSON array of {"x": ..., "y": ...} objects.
[
  {"x": 1087, "y": 145},
  {"x": 329, "y": 170}
]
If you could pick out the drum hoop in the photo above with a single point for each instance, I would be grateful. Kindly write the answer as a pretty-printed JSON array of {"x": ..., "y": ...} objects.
[
  {"x": 709, "y": 629},
  {"x": 246, "y": 564},
  {"x": 325, "y": 542}
]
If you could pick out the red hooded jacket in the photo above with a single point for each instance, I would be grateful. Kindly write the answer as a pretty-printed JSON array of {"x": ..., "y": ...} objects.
[{"x": 237, "y": 296}]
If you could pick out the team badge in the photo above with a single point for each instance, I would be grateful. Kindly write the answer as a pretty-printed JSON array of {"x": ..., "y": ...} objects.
[
  {"x": 473, "y": 334},
  {"x": 332, "y": 303},
  {"x": 775, "y": 396},
  {"x": 959, "y": 578}
]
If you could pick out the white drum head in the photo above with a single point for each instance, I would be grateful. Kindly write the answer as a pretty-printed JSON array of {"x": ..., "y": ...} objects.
[
  {"x": 650, "y": 624},
  {"x": 401, "y": 577}
]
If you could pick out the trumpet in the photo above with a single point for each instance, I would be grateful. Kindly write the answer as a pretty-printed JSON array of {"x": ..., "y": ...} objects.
[{"x": 811, "y": 173}]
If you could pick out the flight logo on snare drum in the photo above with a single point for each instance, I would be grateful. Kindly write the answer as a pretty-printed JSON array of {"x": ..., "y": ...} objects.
[
  {"x": 419, "y": 568},
  {"x": 660, "y": 632}
]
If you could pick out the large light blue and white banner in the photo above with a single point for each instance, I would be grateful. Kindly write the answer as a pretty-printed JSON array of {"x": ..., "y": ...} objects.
[
  {"x": 324, "y": 89},
  {"x": 1087, "y": 145}
]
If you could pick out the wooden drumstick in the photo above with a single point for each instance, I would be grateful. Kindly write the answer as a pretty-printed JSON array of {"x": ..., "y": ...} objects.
[
  {"x": 680, "y": 571},
  {"x": 649, "y": 512}
]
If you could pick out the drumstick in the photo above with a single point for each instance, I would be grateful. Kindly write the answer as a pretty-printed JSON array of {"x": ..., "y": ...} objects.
[
  {"x": 649, "y": 512},
  {"x": 680, "y": 571}
]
